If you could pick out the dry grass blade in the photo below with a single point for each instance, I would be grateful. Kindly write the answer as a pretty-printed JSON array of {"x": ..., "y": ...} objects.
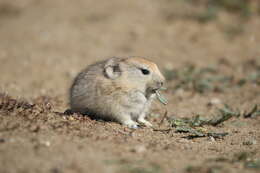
[
  {"x": 189, "y": 130},
  {"x": 210, "y": 134},
  {"x": 224, "y": 114},
  {"x": 253, "y": 113},
  {"x": 163, "y": 118}
]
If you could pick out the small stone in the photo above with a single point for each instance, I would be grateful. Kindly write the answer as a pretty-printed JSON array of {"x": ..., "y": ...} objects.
[
  {"x": 139, "y": 149},
  {"x": 186, "y": 147},
  {"x": 183, "y": 141},
  {"x": 55, "y": 170},
  {"x": 71, "y": 118},
  {"x": 214, "y": 101},
  {"x": 46, "y": 143},
  {"x": 250, "y": 142},
  {"x": 34, "y": 128},
  {"x": 179, "y": 92},
  {"x": 212, "y": 139},
  {"x": 2, "y": 140}
]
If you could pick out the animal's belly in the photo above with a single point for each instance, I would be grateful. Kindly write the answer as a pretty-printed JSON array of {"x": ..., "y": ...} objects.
[{"x": 136, "y": 110}]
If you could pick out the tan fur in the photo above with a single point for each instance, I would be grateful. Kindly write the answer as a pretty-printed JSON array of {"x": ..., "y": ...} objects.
[
  {"x": 150, "y": 64},
  {"x": 117, "y": 89}
]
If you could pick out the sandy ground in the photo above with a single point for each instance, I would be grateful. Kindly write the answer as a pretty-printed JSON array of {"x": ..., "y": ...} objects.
[{"x": 44, "y": 44}]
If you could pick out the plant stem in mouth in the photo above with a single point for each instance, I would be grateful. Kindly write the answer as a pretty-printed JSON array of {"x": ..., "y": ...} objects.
[{"x": 160, "y": 97}]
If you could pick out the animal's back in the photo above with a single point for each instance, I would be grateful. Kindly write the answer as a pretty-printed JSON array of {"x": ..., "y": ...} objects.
[{"x": 83, "y": 91}]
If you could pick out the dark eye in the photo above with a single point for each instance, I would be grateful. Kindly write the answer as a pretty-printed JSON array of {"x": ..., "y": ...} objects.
[{"x": 145, "y": 71}]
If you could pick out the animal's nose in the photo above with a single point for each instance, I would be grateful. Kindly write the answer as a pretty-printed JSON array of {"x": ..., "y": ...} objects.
[{"x": 160, "y": 84}]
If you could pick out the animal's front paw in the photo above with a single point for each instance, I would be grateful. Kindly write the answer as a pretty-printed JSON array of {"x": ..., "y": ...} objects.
[
  {"x": 145, "y": 122},
  {"x": 131, "y": 124}
]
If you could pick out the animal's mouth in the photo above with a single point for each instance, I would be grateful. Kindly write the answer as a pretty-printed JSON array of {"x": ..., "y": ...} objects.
[
  {"x": 155, "y": 90},
  {"x": 152, "y": 90}
]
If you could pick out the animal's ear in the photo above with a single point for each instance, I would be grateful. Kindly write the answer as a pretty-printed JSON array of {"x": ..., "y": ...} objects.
[{"x": 112, "y": 68}]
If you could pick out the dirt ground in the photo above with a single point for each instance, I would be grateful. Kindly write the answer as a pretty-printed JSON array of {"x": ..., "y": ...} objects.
[{"x": 44, "y": 44}]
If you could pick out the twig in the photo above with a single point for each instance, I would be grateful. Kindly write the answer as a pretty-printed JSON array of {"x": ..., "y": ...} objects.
[{"x": 163, "y": 118}]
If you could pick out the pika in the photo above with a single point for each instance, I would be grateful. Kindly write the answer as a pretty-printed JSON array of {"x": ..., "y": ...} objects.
[{"x": 119, "y": 89}]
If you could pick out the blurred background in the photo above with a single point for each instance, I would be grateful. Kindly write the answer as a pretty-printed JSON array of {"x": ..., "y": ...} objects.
[
  {"x": 44, "y": 44},
  {"x": 208, "y": 51}
]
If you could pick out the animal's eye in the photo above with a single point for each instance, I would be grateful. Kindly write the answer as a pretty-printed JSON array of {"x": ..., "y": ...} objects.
[{"x": 145, "y": 71}]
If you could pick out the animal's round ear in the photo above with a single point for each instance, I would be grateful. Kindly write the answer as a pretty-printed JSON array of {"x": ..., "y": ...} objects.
[{"x": 112, "y": 68}]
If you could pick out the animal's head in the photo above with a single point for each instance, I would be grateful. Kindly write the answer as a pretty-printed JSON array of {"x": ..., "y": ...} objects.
[{"x": 135, "y": 73}]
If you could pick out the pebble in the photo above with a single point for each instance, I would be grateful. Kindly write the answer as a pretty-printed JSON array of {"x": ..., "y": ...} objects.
[
  {"x": 139, "y": 149},
  {"x": 2, "y": 140},
  {"x": 214, "y": 101},
  {"x": 212, "y": 139},
  {"x": 250, "y": 142},
  {"x": 46, "y": 143}
]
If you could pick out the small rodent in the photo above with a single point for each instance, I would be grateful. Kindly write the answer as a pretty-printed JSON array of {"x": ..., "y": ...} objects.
[{"x": 120, "y": 89}]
